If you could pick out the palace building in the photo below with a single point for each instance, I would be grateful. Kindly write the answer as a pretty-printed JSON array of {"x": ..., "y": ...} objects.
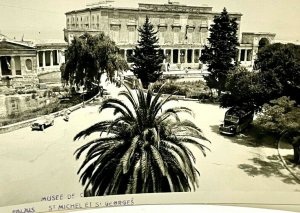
[{"x": 182, "y": 30}]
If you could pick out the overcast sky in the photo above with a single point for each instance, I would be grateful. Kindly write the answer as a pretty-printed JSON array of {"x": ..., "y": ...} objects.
[{"x": 45, "y": 19}]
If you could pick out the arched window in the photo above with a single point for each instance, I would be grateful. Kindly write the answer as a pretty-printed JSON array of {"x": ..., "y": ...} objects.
[{"x": 28, "y": 64}]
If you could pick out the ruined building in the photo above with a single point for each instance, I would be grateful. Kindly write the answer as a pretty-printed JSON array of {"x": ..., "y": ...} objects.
[{"x": 25, "y": 64}]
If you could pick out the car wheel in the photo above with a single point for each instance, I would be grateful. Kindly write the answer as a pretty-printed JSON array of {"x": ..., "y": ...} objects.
[{"x": 42, "y": 127}]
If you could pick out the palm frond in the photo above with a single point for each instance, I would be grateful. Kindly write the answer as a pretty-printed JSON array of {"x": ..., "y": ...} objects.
[
  {"x": 127, "y": 157},
  {"x": 98, "y": 127}
]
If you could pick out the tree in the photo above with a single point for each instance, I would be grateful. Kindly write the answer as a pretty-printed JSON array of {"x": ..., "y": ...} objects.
[
  {"x": 249, "y": 89},
  {"x": 144, "y": 149},
  {"x": 88, "y": 57},
  {"x": 279, "y": 65},
  {"x": 222, "y": 51},
  {"x": 147, "y": 56},
  {"x": 282, "y": 116}
]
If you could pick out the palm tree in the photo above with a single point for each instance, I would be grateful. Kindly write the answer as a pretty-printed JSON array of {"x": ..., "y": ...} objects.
[{"x": 143, "y": 150}]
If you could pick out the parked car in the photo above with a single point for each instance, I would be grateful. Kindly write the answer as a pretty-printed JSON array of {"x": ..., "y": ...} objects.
[
  {"x": 43, "y": 122},
  {"x": 236, "y": 120}
]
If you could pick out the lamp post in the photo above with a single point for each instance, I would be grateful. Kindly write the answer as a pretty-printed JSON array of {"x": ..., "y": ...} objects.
[{"x": 84, "y": 85}]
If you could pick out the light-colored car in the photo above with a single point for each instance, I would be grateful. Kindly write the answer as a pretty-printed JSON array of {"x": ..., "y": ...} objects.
[{"x": 43, "y": 122}]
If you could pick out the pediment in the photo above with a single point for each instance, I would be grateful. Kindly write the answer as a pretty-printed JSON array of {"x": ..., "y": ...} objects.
[{"x": 9, "y": 45}]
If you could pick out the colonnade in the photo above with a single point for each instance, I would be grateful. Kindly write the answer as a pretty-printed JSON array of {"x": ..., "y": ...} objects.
[
  {"x": 48, "y": 58},
  {"x": 172, "y": 55}
]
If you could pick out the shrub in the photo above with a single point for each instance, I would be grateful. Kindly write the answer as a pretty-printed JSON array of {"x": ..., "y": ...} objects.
[{"x": 56, "y": 89}]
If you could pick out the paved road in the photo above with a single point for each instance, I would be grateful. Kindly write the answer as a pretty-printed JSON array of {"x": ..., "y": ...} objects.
[{"x": 35, "y": 163}]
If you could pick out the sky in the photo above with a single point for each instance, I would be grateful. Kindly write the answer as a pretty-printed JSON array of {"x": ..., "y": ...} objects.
[{"x": 45, "y": 19}]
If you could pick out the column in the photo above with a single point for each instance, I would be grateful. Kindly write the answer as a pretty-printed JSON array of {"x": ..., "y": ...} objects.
[
  {"x": 58, "y": 57},
  {"x": 12, "y": 66},
  {"x": 171, "y": 57},
  {"x": 0, "y": 69},
  {"x": 239, "y": 54},
  {"x": 164, "y": 55},
  {"x": 245, "y": 56},
  {"x": 44, "y": 59},
  {"x": 125, "y": 55},
  {"x": 178, "y": 56},
  {"x": 185, "y": 56},
  {"x": 51, "y": 58},
  {"x": 37, "y": 60},
  {"x": 193, "y": 56}
]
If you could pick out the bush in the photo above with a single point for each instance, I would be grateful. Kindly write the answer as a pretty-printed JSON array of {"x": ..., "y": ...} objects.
[
  {"x": 56, "y": 89},
  {"x": 278, "y": 116},
  {"x": 196, "y": 89}
]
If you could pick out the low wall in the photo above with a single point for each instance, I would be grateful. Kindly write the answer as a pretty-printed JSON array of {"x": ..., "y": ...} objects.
[
  {"x": 19, "y": 125},
  {"x": 15, "y": 104}
]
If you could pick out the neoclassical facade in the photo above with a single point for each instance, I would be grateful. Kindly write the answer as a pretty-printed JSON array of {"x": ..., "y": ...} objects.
[{"x": 182, "y": 30}]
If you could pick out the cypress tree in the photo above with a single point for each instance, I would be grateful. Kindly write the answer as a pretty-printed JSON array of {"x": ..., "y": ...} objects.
[
  {"x": 147, "y": 56},
  {"x": 221, "y": 52}
]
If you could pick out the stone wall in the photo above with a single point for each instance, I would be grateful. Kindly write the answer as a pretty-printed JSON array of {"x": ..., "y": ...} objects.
[{"x": 15, "y": 104}]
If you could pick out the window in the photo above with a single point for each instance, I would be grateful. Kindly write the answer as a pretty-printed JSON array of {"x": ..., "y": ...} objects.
[
  {"x": 47, "y": 58},
  {"x": 196, "y": 56},
  {"x": 176, "y": 31},
  {"x": 54, "y": 55},
  {"x": 161, "y": 34},
  {"x": 242, "y": 56},
  {"x": 18, "y": 65},
  {"x": 115, "y": 32},
  {"x": 28, "y": 64},
  {"x": 182, "y": 56},
  {"x": 131, "y": 35},
  {"x": 249, "y": 55},
  {"x": 175, "y": 56},
  {"x": 189, "y": 56},
  {"x": 40, "y": 59},
  {"x": 168, "y": 55},
  {"x": 5, "y": 65},
  {"x": 128, "y": 54}
]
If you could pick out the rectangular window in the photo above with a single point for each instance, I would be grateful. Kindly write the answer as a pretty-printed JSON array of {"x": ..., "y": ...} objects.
[
  {"x": 249, "y": 55},
  {"x": 175, "y": 56},
  {"x": 189, "y": 56},
  {"x": 129, "y": 54},
  {"x": 131, "y": 35},
  {"x": 182, "y": 56},
  {"x": 40, "y": 59},
  {"x": 54, "y": 55},
  {"x": 18, "y": 65},
  {"x": 5, "y": 65},
  {"x": 242, "y": 56},
  {"x": 122, "y": 53},
  {"x": 196, "y": 56},
  {"x": 168, "y": 56},
  {"x": 115, "y": 33},
  {"x": 47, "y": 58},
  {"x": 176, "y": 31}
]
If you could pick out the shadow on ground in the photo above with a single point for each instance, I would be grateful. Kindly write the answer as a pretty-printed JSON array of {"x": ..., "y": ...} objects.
[
  {"x": 269, "y": 167},
  {"x": 250, "y": 137}
]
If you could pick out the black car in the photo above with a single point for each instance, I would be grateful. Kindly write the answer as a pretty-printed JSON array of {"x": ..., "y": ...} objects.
[{"x": 236, "y": 120}]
